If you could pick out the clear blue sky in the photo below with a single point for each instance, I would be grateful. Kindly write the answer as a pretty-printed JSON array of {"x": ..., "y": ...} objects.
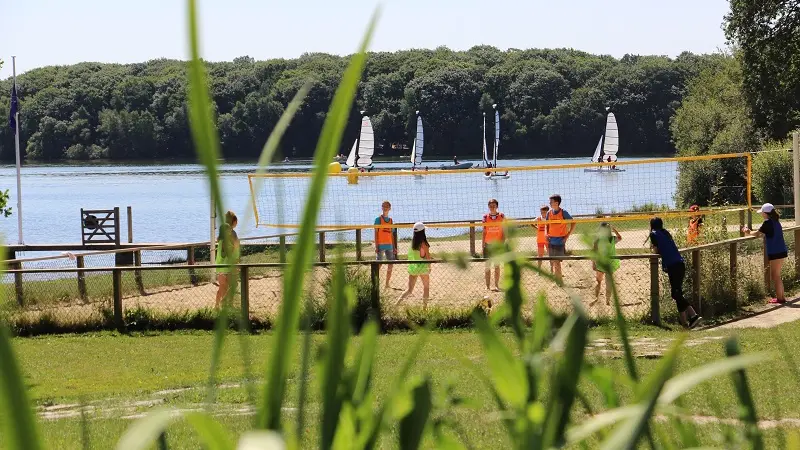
[{"x": 48, "y": 32}]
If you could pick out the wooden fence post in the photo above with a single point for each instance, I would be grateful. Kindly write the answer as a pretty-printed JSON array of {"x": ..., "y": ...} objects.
[
  {"x": 116, "y": 277},
  {"x": 696, "y": 280},
  {"x": 81, "y": 277},
  {"x": 375, "y": 292},
  {"x": 796, "y": 252},
  {"x": 767, "y": 281},
  {"x": 472, "y": 238},
  {"x": 190, "y": 261},
  {"x": 17, "y": 278},
  {"x": 321, "y": 246},
  {"x": 358, "y": 244},
  {"x": 282, "y": 249},
  {"x": 137, "y": 274},
  {"x": 734, "y": 269},
  {"x": 655, "y": 297},
  {"x": 741, "y": 223},
  {"x": 244, "y": 293}
]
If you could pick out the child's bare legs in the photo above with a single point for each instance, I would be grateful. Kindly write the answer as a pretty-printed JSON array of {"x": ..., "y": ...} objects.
[
  {"x": 487, "y": 275},
  {"x": 598, "y": 281},
  {"x": 412, "y": 280},
  {"x": 608, "y": 288},
  {"x": 222, "y": 279},
  {"x": 540, "y": 253},
  {"x": 426, "y": 289},
  {"x": 497, "y": 278},
  {"x": 556, "y": 264},
  {"x": 388, "y": 274},
  {"x": 775, "y": 270}
]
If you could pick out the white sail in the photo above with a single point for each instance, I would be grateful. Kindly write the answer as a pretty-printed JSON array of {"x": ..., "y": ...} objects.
[
  {"x": 351, "y": 158},
  {"x": 366, "y": 144},
  {"x": 485, "y": 150},
  {"x": 596, "y": 155},
  {"x": 419, "y": 144},
  {"x": 611, "y": 140},
  {"x": 496, "y": 135}
]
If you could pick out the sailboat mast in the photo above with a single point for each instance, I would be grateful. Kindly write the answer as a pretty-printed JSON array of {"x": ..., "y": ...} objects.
[
  {"x": 603, "y": 140},
  {"x": 485, "y": 156},
  {"x": 496, "y": 133}
]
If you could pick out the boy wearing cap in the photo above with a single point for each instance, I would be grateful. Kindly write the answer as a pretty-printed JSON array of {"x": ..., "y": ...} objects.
[{"x": 776, "y": 247}]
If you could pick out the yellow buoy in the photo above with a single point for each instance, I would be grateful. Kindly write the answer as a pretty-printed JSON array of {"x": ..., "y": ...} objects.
[
  {"x": 352, "y": 175},
  {"x": 334, "y": 167}
]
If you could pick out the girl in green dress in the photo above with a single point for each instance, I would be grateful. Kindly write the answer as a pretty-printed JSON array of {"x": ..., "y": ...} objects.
[
  {"x": 228, "y": 254},
  {"x": 420, "y": 250},
  {"x": 606, "y": 245}
]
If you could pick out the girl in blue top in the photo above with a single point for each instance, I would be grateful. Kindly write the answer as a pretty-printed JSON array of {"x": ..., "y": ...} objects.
[
  {"x": 672, "y": 262},
  {"x": 776, "y": 247}
]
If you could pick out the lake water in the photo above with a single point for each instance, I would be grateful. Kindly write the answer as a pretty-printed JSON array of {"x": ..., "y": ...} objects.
[{"x": 171, "y": 202}]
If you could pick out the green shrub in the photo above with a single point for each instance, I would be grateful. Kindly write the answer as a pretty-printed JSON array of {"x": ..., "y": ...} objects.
[{"x": 772, "y": 175}]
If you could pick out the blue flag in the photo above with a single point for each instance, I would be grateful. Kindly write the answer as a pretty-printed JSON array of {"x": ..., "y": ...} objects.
[{"x": 12, "y": 118}]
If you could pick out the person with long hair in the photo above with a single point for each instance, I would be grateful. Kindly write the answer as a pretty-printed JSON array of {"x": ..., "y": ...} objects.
[
  {"x": 777, "y": 252},
  {"x": 420, "y": 250},
  {"x": 673, "y": 264},
  {"x": 227, "y": 254},
  {"x": 605, "y": 244}
]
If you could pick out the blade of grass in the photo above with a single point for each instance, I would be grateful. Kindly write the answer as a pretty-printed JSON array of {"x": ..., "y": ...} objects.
[
  {"x": 332, "y": 367},
  {"x": 412, "y": 426},
  {"x": 304, "y": 375},
  {"x": 148, "y": 431},
  {"x": 15, "y": 409},
  {"x": 682, "y": 383},
  {"x": 287, "y": 325},
  {"x": 508, "y": 373},
  {"x": 748, "y": 407}
]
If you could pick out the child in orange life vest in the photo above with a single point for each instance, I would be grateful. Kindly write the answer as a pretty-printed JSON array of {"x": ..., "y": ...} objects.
[
  {"x": 493, "y": 235},
  {"x": 385, "y": 240},
  {"x": 557, "y": 233},
  {"x": 695, "y": 222},
  {"x": 541, "y": 235}
]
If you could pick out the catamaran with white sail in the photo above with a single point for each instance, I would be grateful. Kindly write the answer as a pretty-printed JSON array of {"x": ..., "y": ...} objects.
[
  {"x": 364, "y": 147},
  {"x": 607, "y": 147},
  {"x": 494, "y": 175}
]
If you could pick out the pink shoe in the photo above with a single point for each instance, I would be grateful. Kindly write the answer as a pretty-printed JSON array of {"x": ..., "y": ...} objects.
[{"x": 775, "y": 301}]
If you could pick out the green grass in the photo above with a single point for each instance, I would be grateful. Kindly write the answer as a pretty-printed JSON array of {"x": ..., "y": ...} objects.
[{"x": 107, "y": 370}]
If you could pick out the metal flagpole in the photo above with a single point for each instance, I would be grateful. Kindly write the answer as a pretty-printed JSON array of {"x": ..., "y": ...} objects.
[{"x": 16, "y": 142}]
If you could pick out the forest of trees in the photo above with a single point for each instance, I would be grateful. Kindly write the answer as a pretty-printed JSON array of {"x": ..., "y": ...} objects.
[{"x": 552, "y": 103}]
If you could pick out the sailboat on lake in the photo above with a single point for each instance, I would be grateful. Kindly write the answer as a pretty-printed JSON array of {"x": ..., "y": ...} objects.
[
  {"x": 607, "y": 147},
  {"x": 494, "y": 175},
  {"x": 360, "y": 155}
]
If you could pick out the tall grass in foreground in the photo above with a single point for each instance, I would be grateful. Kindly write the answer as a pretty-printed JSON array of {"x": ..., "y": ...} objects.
[{"x": 536, "y": 381}]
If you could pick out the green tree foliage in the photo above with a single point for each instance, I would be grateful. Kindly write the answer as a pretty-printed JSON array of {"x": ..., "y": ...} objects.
[
  {"x": 714, "y": 119},
  {"x": 772, "y": 175},
  {"x": 767, "y": 32},
  {"x": 552, "y": 102}
]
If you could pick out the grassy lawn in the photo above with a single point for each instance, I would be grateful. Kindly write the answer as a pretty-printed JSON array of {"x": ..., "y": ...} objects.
[{"x": 110, "y": 372}]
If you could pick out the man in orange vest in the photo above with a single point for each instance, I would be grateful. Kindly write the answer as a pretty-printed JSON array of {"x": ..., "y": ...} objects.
[
  {"x": 493, "y": 235},
  {"x": 385, "y": 240},
  {"x": 557, "y": 233}
]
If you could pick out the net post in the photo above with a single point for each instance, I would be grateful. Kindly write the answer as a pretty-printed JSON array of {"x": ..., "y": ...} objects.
[
  {"x": 79, "y": 263},
  {"x": 375, "y": 291},
  {"x": 655, "y": 305},
  {"x": 767, "y": 281},
  {"x": 696, "y": 279},
  {"x": 116, "y": 282},
  {"x": 734, "y": 253},
  {"x": 190, "y": 261},
  {"x": 17, "y": 277},
  {"x": 796, "y": 172},
  {"x": 472, "y": 238},
  {"x": 796, "y": 253},
  {"x": 321, "y": 246},
  {"x": 244, "y": 294},
  {"x": 116, "y": 225},
  {"x": 749, "y": 187},
  {"x": 358, "y": 244},
  {"x": 137, "y": 274},
  {"x": 282, "y": 249},
  {"x": 130, "y": 225}
]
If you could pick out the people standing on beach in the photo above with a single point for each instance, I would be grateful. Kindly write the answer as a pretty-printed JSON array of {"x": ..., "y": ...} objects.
[
  {"x": 493, "y": 236},
  {"x": 605, "y": 245},
  {"x": 455, "y": 160},
  {"x": 673, "y": 264},
  {"x": 541, "y": 233},
  {"x": 420, "y": 250},
  {"x": 695, "y": 223},
  {"x": 557, "y": 233},
  {"x": 777, "y": 252},
  {"x": 227, "y": 254},
  {"x": 385, "y": 240}
]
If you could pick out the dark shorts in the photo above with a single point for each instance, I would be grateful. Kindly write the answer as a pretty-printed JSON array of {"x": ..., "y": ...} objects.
[
  {"x": 775, "y": 256},
  {"x": 557, "y": 250}
]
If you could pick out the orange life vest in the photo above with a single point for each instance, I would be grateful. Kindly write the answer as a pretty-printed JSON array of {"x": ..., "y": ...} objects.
[
  {"x": 541, "y": 235},
  {"x": 493, "y": 233},
  {"x": 557, "y": 229},
  {"x": 383, "y": 236},
  {"x": 694, "y": 230}
]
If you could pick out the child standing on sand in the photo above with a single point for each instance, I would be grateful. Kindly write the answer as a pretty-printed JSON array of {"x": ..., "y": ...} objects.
[
  {"x": 672, "y": 262},
  {"x": 605, "y": 244},
  {"x": 541, "y": 233},
  {"x": 776, "y": 247},
  {"x": 385, "y": 239},
  {"x": 493, "y": 235},
  {"x": 557, "y": 233},
  {"x": 420, "y": 250}
]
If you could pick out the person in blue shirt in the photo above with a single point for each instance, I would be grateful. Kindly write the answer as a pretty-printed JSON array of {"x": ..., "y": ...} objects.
[
  {"x": 776, "y": 247},
  {"x": 672, "y": 262}
]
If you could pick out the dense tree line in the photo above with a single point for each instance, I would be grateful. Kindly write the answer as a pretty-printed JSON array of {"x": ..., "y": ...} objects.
[{"x": 552, "y": 103}]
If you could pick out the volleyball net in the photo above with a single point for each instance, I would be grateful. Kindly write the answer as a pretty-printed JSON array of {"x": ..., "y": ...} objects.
[{"x": 451, "y": 202}]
